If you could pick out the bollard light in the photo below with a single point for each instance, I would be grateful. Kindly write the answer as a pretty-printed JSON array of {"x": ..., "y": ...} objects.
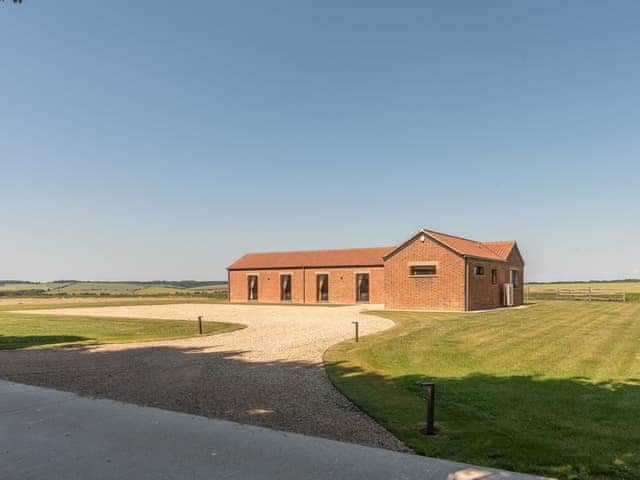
[{"x": 430, "y": 389}]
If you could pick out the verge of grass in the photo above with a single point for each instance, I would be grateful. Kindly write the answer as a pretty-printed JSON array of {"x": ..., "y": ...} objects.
[
  {"x": 20, "y": 330},
  {"x": 35, "y": 303},
  {"x": 553, "y": 389}
]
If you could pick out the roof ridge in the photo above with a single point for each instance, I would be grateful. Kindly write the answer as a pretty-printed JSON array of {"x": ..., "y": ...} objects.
[
  {"x": 343, "y": 257},
  {"x": 467, "y": 238},
  {"x": 500, "y": 241},
  {"x": 483, "y": 249},
  {"x": 454, "y": 236},
  {"x": 317, "y": 250}
]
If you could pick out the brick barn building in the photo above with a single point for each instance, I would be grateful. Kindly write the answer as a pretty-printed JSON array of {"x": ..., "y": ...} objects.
[{"x": 429, "y": 271}]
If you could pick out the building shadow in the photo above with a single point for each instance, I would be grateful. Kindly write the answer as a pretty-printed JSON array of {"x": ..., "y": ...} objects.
[
  {"x": 569, "y": 428},
  {"x": 10, "y": 342},
  {"x": 566, "y": 428}
]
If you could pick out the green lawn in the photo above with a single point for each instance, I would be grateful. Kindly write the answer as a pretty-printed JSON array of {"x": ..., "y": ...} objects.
[
  {"x": 19, "y": 330},
  {"x": 43, "y": 302},
  {"x": 552, "y": 389}
]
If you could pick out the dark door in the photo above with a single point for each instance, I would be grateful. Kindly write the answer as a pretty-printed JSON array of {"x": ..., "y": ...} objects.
[
  {"x": 362, "y": 287},
  {"x": 323, "y": 287},
  {"x": 285, "y": 288},
  {"x": 252, "y": 287}
]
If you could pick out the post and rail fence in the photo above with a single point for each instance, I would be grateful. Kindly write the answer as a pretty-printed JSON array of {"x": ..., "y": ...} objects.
[{"x": 587, "y": 294}]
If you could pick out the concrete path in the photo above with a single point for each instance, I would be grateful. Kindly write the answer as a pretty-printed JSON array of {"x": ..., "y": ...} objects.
[
  {"x": 47, "y": 434},
  {"x": 269, "y": 374}
]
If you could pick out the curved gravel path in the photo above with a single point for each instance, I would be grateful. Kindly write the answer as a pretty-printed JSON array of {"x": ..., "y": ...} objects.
[{"x": 269, "y": 374}]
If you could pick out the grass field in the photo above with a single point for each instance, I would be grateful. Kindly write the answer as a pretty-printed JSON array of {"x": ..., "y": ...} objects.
[
  {"x": 630, "y": 286},
  {"x": 76, "y": 288},
  {"x": 552, "y": 389},
  {"x": 32, "y": 303},
  {"x": 20, "y": 330},
  {"x": 547, "y": 290}
]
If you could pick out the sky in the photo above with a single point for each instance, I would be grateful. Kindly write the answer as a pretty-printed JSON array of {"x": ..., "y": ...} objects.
[{"x": 162, "y": 139}]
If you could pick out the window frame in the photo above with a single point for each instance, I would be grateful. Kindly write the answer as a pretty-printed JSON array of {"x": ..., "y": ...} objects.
[
  {"x": 424, "y": 265},
  {"x": 319, "y": 298},
  {"x": 282, "y": 276},
  {"x": 257, "y": 286},
  {"x": 363, "y": 275},
  {"x": 514, "y": 277},
  {"x": 494, "y": 276},
  {"x": 479, "y": 270}
]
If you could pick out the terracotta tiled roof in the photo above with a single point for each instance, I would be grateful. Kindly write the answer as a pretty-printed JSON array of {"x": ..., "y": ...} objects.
[
  {"x": 472, "y": 248},
  {"x": 351, "y": 257},
  {"x": 502, "y": 249},
  {"x": 354, "y": 257}
]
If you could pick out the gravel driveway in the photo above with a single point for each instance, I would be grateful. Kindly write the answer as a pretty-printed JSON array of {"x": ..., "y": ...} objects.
[{"x": 268, "y": 374}]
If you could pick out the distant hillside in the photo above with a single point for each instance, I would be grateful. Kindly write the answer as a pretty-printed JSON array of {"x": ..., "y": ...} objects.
[{"x": 16, "y": 288}]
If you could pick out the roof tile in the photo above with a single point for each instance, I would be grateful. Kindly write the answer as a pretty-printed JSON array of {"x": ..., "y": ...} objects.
[
  {"x": 502, "y": 249},
  {"x": 351, "y": 257},
  {"x": 473, "y": 248},
  {"x": 358, "y": 257}
]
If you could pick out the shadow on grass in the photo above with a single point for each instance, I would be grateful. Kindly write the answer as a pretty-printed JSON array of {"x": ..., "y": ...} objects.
[
  {"x": 568, "y": 428},
  {"x": 9, "y": 342}
]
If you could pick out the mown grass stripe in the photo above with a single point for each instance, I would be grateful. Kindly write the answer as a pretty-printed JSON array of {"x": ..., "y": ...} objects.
[{"x": 553, "y": 389}]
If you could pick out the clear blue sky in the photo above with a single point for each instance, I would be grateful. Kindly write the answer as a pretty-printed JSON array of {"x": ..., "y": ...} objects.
[{"x": 162, "y": 139}]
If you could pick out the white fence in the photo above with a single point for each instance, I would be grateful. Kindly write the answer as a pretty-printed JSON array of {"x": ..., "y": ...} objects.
[{"x": 588, "y": 294}]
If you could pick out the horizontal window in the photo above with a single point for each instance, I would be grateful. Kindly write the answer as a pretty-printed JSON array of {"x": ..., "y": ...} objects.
[
  {"x": 422, "y": 270},
  {"x": 479, "y": 270}
]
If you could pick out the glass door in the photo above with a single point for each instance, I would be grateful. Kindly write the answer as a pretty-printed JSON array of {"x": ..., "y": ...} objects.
[
  {"x": 285, "y": 288},
  {"x": 323, "y": 287},
  {"x": 362, "y": 287},
  {"x": 252, "y": 287}
]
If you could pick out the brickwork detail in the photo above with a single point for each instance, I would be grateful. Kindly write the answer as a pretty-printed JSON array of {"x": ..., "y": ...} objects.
[
  {"x": 443, "y": 291},
  {"x": 342, "y": 284}
]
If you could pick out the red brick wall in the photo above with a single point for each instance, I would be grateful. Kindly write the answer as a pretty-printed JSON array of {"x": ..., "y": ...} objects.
[
  {"x": 515, "y": 261},
  {"x": 482, "y": 294},
  {"x": 342, "y": 284},
  {"x": 268, "y": 285},
  {"x": 444, "y": 291}
]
